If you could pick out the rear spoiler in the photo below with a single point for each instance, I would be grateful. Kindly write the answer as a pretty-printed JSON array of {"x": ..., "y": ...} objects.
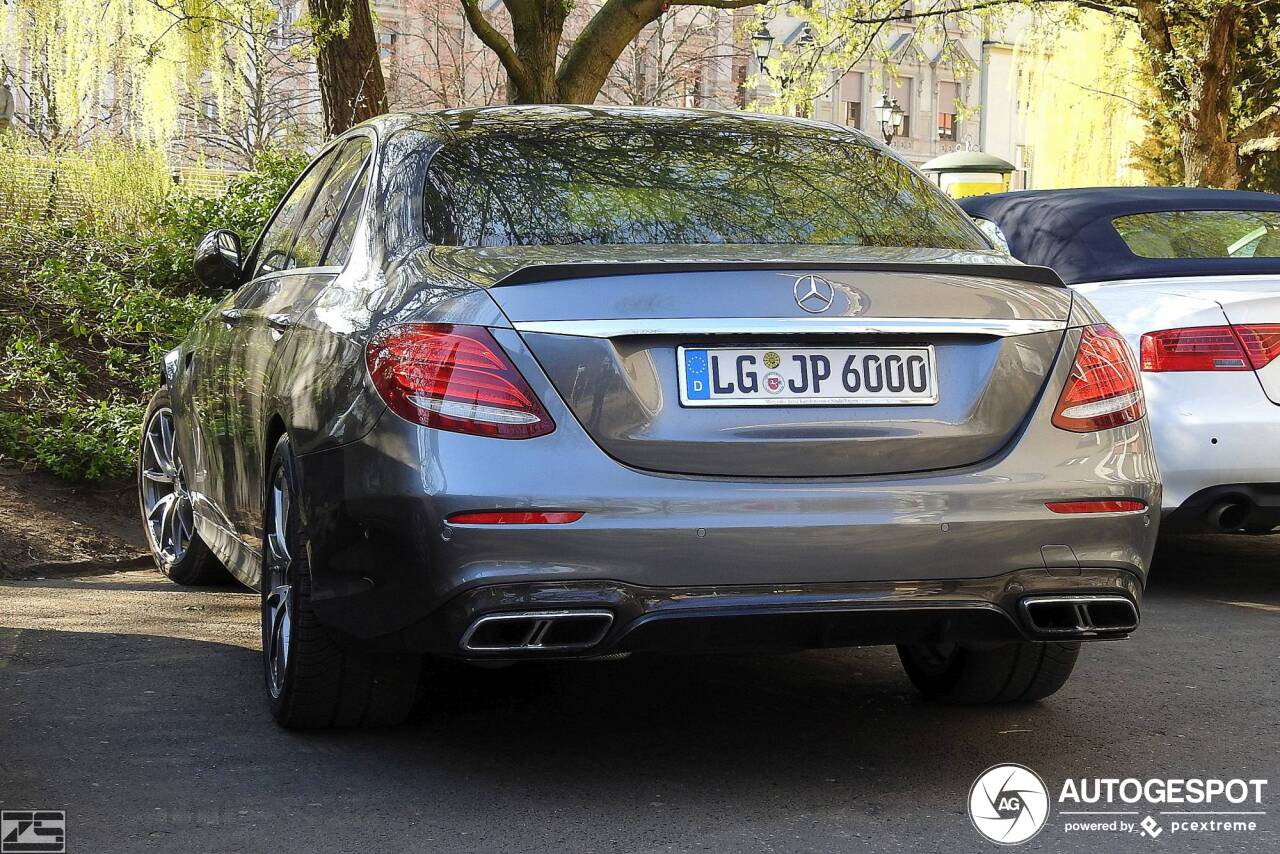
[{"x": 593, "y": 269}]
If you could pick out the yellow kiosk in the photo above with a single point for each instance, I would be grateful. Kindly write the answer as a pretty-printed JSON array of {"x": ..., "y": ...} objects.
[{"x": 969, "y": 173}]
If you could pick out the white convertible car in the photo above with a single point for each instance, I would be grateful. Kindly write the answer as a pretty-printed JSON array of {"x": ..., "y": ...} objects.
[{"x": 1191, "y": 278}]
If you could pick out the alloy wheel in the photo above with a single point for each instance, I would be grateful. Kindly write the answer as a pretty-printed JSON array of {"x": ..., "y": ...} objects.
[
  {"x": 277, "y": 607},
  {"x": 166, "y": 503}
]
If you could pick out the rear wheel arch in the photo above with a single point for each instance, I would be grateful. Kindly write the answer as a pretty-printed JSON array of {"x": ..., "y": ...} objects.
[{"x": 275, "y": 429}]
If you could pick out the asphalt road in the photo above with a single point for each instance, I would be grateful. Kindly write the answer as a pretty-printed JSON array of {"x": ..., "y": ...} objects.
[{"x": 135, "y": 706}]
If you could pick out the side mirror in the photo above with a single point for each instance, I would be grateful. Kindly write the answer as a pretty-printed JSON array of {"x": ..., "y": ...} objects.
[{"x": 218, "y": 260}]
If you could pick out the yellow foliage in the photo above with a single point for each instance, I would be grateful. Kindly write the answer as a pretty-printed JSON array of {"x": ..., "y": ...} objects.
[
  {"x": 104, "y": 187},
  {"x": 1079, "y": 85},
  {"x": 126, "y": 62}
]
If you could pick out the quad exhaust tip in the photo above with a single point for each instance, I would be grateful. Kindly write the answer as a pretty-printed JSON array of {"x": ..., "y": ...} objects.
[
  {"x": 538, "y": 631},
  {"x": 1079, "y": 616}
]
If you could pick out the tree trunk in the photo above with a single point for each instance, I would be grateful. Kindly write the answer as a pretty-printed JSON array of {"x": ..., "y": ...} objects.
[
  {"x": 537, "y": 43},
  {"x": 352, "y": 87},
  {"x": 1210, "y": 157},
  {"x": 531, "y": 56},
  {"x": 1196, "y": 82}
]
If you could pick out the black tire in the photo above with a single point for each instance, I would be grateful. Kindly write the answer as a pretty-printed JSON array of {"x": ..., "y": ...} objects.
[
  {"x": 322, "y": 683},
  {"x": 196, "y": 566},
  {"x": 1019, "y": 672}
]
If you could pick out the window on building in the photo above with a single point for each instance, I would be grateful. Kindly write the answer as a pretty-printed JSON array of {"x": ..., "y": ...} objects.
[
  {"x": 694, "y": 89},
  {"x": 851, "y": 97},
  {"x": 948, "y": 98},
  {"x": 903, "y": 89},
  {"x": 387, "y": 45}
]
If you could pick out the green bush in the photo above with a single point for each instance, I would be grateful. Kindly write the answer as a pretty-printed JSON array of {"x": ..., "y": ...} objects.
[{"x": 86, "y": 312}]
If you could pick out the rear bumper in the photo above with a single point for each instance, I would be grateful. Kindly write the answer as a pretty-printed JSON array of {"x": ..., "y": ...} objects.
[
  {"x": 683, "y": 563},
  {"x": 1227, "y": 507},
  {"x": 1211, "y": 430},
  {"x": 804, "y": 616}
]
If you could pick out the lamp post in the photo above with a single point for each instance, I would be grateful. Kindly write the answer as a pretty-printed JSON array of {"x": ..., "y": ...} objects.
[
  {"x": 889, "y": 114},
  {"x": 762, "y": 45}
]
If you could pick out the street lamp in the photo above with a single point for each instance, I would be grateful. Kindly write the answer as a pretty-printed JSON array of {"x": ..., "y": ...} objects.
[
  {"x": 762, "y": 44},
  {"x": 889, "y": 114}
]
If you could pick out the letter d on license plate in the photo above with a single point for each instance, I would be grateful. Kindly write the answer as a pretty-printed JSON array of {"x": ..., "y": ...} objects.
[{"x": 807, "y": 376}]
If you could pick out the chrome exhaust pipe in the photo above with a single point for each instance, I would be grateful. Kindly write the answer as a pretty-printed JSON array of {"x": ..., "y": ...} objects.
[
  {"x": 537, "y": 631},
  {"x": 1065, "y": 617},
  {"x": 1229, "y": 515}
]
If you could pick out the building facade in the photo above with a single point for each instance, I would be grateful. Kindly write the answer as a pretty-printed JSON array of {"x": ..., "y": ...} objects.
[{"x": 961, "y": 94}]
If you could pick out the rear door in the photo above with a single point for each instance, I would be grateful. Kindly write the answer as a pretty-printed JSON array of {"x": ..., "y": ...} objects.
[
  {"x": 268, "y": 315},
  {"x": 777, "y": 371}
]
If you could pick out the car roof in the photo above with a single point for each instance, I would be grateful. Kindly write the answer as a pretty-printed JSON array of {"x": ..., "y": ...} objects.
[
  {"x": 469, "y": 120},
  {"x": 1071, "y": 230}
]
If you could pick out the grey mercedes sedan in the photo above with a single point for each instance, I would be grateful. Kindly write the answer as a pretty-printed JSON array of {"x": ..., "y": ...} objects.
[{"x": 521, "y": 383}]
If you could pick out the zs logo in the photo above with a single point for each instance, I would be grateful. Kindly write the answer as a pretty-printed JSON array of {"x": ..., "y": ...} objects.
[{"x": 33, "y": 832}]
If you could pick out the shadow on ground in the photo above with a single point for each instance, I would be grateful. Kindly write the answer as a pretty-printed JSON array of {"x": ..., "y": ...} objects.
[{"x": 152, "y": 742}]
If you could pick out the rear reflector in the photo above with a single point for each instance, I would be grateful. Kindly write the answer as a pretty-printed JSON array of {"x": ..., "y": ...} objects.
[
  {"x": 1211, "y": 348},
  {"x": 1106, "y": 506},
  {"x": 1102, "y": 390},
  {"x": 516, "y": 517},
  {"x": 454, "y": 378}
]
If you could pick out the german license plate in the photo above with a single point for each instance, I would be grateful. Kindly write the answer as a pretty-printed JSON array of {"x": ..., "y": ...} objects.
[{"x": 807, "y": 376}]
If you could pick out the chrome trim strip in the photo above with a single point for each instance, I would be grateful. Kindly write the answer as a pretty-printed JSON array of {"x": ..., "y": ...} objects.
[{"x": 792, "y": 326}]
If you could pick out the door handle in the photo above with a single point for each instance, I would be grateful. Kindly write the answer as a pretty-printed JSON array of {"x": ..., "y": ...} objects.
[
  {"x": 231, "y": 316},
  {"x": 279, "y": 321}
]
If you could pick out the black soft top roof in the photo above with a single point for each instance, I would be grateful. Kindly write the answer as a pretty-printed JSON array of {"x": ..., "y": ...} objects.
[{"x": 1071, "y": 231}]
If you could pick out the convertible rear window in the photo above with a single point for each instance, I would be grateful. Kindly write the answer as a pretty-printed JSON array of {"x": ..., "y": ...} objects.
[
  {"x": 702, "y": 180},
  {"x": 1201, "y": 234}
]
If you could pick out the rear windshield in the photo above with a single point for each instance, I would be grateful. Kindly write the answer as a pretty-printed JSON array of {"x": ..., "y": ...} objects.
[
  {"x": 704, "y": 181},
  {"x": 1202, "y": 234}
]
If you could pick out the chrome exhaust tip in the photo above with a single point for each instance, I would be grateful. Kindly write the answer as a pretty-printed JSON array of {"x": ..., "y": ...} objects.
[
  {"x": 537, "y": 631},
  {"x": 1065, "y": 617}
]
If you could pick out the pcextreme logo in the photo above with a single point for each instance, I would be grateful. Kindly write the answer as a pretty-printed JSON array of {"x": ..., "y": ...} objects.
[{"x": 1009, "y": 804}]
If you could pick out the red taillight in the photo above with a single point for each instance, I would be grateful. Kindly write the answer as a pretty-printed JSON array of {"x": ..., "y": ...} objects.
[
  {"x": 1261, "y": 342},
  {"x": 1105, "y": 506},
  {"x": 516, "y": 517},
  {"x": 1211, "y": 348},
  {"x": 1197, "y": 348},
  {"x": 1102, "y": 390},
  {"x": 454, "y": 378}
]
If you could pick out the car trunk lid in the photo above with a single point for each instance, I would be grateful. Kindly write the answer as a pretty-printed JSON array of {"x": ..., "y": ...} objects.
[{"x": 608, "y": 334}]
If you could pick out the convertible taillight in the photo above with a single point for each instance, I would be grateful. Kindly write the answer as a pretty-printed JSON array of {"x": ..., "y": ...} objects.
[
  {"x": 455, "y": 378},
  {"x": 1211, "y": 348},
  {"x": 1103, "y": 390}
]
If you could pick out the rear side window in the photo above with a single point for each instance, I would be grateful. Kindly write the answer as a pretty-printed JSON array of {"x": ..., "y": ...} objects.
[
  {"x": 1201, "y": 234},
  {"x": 273, "y": 255},
  {"x": 700, "y": 180},
  {"x": 319, "y": 222},
  {"x": 340, "y": 243}
]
